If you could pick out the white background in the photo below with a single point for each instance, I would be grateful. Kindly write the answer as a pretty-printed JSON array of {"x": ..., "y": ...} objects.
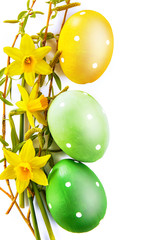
[{"x": 130, "y": 92}]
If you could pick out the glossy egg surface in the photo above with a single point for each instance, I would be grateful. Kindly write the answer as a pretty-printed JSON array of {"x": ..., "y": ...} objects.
[
  {"x": 86, "y": 42},
  {"x": 75, "y": 196},
  {"x": 79, "y": 125}
]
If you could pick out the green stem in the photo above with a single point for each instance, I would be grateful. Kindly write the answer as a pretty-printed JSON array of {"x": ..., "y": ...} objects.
[
  {"x": 21, "y": 200},
  {"x": 21, "y": 137},
  {"x": 21, "y": 134},
  {"x": 43, "y": 211},
  {"x": 33, "y": 216}
]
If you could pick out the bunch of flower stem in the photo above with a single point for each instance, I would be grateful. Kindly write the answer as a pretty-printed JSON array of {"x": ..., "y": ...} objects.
[{"x": 22, "y": 23}]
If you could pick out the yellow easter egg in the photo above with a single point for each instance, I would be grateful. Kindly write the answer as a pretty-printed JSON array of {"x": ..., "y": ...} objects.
[{"x": 86, "y": 42}]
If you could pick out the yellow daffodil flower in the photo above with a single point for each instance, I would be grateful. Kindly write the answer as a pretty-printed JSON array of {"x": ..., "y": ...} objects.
[
  {"x": 25, "y": 167},
  {"x": 33, "y": 105},
  {"x": 28, "y": 60}
]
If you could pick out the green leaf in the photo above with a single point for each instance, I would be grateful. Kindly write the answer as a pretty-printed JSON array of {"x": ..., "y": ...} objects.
[
  {"x": 11, "y": 21},
  {"x": 24, "y": 23},
  {"x": 14, "y": 137},
  {"x": 2, "y": 160},
  {"x": 28, "y": 4},
  {"x": 41, "y": 31},
  {"x": 2, "y": 81},
  {"x": 54, "y": 15},
  {"x": 5, "y": 100},
  {"x": 50, "y": 35},
  {"x": 2, "y": 72},
  {"x": 33, "y": 15},
  {"x": 49, "y": 78},
  {"x": 50, "y": 140},
  {"x": 51, "y": 160},
  {"x": 34, "y": 137},
  {"x": 9, "y": 89},
  {"x": 47, "y": 131},
  {"x": 3, "y": 141},
  {"x": 21, "y": 76},
  {"x": 18, "y": 146},
  {"x": 38, "y": 12},
  {"x": 57, "y": 80},
  {"x": 36, "y": 150},
  {"x": 21, "y": 15}
]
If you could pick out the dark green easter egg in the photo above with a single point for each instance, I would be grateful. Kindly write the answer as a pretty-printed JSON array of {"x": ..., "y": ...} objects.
[
  {"x": 79, "y": 125},
  {"x": 75, "y": 196}
]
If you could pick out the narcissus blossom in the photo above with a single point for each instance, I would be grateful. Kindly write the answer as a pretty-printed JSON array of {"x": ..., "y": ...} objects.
[
  {"x": 25, "y": 167},
  {"x": 28, "y": 60},
  {"x": 33, "y": 105}
]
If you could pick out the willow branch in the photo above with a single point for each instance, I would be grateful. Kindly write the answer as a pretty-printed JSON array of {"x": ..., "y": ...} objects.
[
  {"x": 65, "y": 15},
  {"x": 5, "y": 192},
  {"x": 4, "y": 131},
  {"x": 13, "y": 202},
  {"x": 47, "y": 24}
]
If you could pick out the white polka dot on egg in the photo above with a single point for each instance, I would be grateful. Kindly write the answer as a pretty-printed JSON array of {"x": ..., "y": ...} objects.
[
  {"x": 68, "y": 184},
  {"x": 62, "y": 104},
  {"x": 107, "y": 42},
  {"x": 94, "y": 65},
  {"x": 97, "y": 184},
  {"x": 76, "y": 38},
  {"x": 98, "y": 147},
  {"x": 78, "y": 214},
  {"x": 89, "y": 116},
  {"x": 68, "y": 145}
]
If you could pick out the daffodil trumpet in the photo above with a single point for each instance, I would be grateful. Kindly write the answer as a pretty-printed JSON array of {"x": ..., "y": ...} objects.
[{"x": 33, "y": 105}]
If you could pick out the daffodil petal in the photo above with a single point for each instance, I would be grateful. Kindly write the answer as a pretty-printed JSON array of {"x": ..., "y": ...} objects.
[
  {"x": 21, "y": 185},
  {"x": 15, "y": 68},
  {"x": 34, "y": 92},
  {"x": 43, "y": 68},
  {"x": 30, "y": 78},
  {"x": 41, "y": 52},
  {"x": 30, "y": 118},
  {"x": 40, "y": 118},
  {"x": 39, "y": 177},
  {"x": 14, "y": 53},
  {"x": 11, "y": 157},
  {"x": 21, "y": 105},
  {"x": 27, "y": 45},
  {"x": 24, "y": 94},
  {"x": 39, "y": 162},
  {"x": 8, "y": 173},
  {"x": 27, "y": 152}
]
